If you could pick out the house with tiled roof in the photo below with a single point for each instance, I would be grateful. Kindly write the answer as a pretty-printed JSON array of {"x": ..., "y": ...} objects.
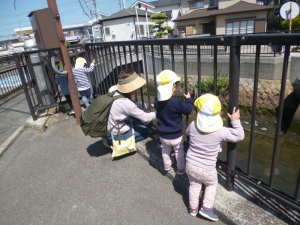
[
  {"x": 127, "y": 24},
  {"x": 221, "y": 17}
]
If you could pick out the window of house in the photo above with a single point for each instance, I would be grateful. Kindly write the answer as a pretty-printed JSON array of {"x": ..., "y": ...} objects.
[
  {"x": 240, "y": 27},
  {"x": 141, "y": 29},
  {"x": 107, "y": 31},
  {"x": 196, "y": 5},
  {"x": 211, "y": 3},
  {"x": 168, "y": 14}
]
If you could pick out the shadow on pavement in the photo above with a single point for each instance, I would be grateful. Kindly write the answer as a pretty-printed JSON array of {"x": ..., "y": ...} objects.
[{"x": 97, "y": 149}]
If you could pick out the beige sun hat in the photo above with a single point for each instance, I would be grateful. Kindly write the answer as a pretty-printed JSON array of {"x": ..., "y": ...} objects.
[
  {"x": 130, "y": 83},
  {"x": 165, "y": 81},
  {"x": 208, "y": 117},
  {"x": 80, "y": 63}
]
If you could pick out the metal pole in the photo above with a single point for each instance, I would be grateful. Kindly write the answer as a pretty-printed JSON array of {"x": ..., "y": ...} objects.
[
  {"x": 234, "y": 75},
  {"x": 66, "y": 60}
]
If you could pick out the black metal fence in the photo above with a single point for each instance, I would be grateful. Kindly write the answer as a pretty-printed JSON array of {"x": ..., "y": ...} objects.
[{"x": 149, "y": 57}]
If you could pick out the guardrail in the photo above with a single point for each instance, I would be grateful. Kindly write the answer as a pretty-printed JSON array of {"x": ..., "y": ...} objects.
[{"x": 149, "y": 57}]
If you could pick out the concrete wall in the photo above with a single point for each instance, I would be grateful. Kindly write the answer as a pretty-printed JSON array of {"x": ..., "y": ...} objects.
[
  {"x": 270, "y": 73},
  {"x": 270, "y": 68}
]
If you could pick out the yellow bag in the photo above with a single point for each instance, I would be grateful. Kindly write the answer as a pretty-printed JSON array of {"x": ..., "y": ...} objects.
[{"x": 122, "y": 147}]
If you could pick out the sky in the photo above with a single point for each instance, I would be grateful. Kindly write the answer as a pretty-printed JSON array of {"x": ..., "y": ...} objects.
[{"x": 70, "y": 12}]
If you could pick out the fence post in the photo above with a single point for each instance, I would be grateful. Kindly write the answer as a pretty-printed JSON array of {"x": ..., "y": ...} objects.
[{"x": 234, "y": 76}]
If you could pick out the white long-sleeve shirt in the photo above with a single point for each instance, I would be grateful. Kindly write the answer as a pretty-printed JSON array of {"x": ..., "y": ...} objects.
[{"x": 124, "y": 107}]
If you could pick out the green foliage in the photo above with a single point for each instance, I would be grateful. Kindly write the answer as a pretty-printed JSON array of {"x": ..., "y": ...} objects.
[
  {"x": 207, "y": 85},
  {"x": 158, "y": 28},
  {"x": 273, "y": 21},
  {"x": 295, "y": 23},
  {"x": 159, "y": 21},
  {"x": 158, "y": 16}
]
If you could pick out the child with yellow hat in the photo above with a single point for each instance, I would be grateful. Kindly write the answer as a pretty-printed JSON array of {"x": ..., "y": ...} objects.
[
  {"x": 207, "y": 135},
  {"x": 169, "y": 112}
]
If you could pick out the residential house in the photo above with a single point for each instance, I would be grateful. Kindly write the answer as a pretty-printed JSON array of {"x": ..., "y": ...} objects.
[
  {"x": 222, "y": 17},
  {"x": 168, "y": 7},
  {"x": 127, "y": 24}
]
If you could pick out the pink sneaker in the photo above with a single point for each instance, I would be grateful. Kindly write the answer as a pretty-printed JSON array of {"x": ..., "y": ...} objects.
[
  {"x": 180, "y": 171},
  {"x": 173, "y": 160}
]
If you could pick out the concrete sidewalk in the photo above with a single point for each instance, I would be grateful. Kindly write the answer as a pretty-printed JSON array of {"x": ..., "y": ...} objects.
[{"x": 62, "y": 177}]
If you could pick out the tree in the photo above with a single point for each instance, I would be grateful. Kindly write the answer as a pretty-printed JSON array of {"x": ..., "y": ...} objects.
[
  {"x": 158, "y": 28},
  {"x": 295, "y": 23}
]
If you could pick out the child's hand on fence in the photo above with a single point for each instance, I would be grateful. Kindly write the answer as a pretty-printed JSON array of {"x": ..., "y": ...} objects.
[
  {"x": 187, "y": 95},
  {"x": 235, "y": 114}
]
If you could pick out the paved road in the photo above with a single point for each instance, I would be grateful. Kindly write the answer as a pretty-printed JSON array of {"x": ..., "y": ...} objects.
[
  {"x": 62, "y": 177},
  {"x": 13, "y": 114}
]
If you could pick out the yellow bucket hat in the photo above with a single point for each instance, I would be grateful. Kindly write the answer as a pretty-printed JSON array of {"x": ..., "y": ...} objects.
[
  {"x": 165, "y": 81},
  {"x": 208, "y": 118}
]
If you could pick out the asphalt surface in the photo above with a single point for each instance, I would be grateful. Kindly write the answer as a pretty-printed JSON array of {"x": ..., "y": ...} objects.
[
  {"x": 61, "y": 176},
  {"x": 13, "y": 114}
]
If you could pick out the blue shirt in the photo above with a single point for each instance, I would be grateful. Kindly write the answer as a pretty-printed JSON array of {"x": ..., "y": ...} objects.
[{"x": 169, "y": 116}]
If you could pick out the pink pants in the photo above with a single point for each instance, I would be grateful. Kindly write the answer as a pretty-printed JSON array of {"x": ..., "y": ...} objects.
[
  {"x": 177, "y": 146},
  {"x": 197, "y": 176}
]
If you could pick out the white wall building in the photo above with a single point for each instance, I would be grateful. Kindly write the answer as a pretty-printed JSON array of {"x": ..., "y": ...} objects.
[{"x": 127, "y": 24}]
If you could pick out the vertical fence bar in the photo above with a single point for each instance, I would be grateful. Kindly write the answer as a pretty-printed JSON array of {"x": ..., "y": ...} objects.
[
  {"x": 21, "y": 74},
  {"x": 124, "y": 53},
  {"x": 172, "y": 57},
  {"x": 146, "y": 72},
  {"x": 108, "y": 70},
  {"x": 162, "y": 57},
  {"x": 154, "y": 69},
  {"x": 199, "y": 68},
  {"x": 215, "y": 68},
  {"x": 112, "y": 66},
  {"x": 139, "y": 72},
  {"x": 253, "y": 116},
  {"x": 116, "y": 63},
  {"x": 234, "y": 75},
  {"x": 279, "y": 118},
  {"x": 297, "y": 191}
]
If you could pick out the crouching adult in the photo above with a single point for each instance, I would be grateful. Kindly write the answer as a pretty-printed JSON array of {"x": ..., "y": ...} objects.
[{"x": 125, "y": 113}]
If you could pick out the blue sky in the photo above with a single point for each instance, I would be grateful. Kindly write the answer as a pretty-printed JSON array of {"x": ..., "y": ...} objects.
[{"x": 70, "y": 12}]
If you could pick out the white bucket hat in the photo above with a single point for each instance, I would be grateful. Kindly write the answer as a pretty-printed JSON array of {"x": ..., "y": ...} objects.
[
  {"x": 80, "y": 63},
  {"x": 208, "y": 118},
  {"x": 165, "y": 81}
]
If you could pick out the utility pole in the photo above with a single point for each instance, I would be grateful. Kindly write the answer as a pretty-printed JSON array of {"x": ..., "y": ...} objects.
[{"x": 66, "y": 60}]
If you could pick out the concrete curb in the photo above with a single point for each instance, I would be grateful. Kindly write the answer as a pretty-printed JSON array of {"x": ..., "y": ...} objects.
[{"x": 10, "y": 139}]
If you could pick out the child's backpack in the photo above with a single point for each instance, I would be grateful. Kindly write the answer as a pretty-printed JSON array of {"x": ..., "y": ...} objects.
[{"x": 93, "y": 121}]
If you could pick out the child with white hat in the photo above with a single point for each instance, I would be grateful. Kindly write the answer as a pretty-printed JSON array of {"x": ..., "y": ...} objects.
[
  {"x": 207, "y": 135},
  {"x": 81, "y": 80},
  {"x": 169, "y": 112}
]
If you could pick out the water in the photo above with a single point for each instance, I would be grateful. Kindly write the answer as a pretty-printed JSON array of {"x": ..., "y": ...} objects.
[{"x": 10, "y": 82}]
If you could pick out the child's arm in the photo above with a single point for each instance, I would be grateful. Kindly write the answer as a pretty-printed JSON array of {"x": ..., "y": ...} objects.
[
  {"x": 91, "y": 68},
  {"x": 187, "y": 106},
  {"x": 236, "y": 133}
]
